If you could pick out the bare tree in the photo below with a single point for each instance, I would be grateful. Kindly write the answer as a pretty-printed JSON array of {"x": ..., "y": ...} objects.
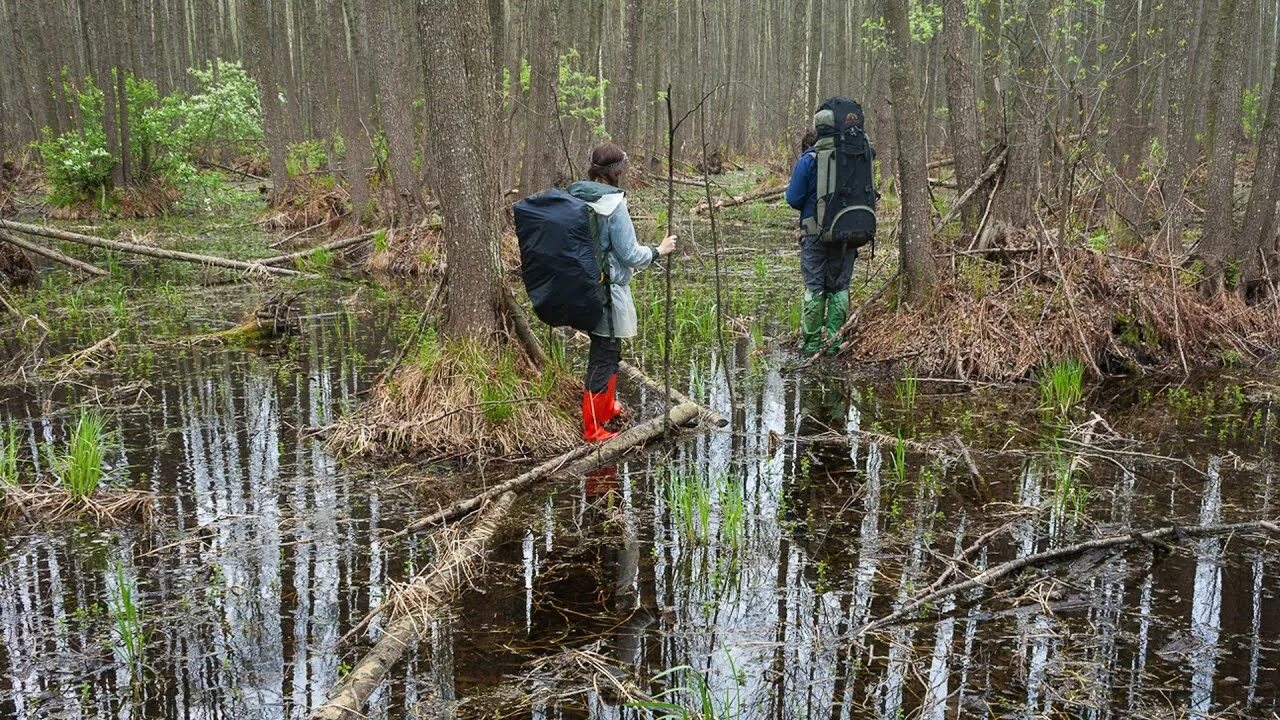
[
  {"x": 962, "y": 107},
  {"x": 458, "y": 92},
  {"x": 915, "y": 243},
  {"x": 1218, "y": 247}
]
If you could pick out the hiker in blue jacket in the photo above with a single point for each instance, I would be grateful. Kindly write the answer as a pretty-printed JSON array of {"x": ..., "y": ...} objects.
[
  {"x": 825, "y": 267},
  {"x": 603, "y": 192}
]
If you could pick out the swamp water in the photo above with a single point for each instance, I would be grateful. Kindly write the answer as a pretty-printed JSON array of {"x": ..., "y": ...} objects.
[{"x": 735, "y": 567}]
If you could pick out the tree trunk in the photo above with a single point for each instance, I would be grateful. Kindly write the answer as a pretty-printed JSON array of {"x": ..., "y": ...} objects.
[
  {"x": 1260, "y": 218},
  {"x": 261, "y": 60},
  {"x": 395, "y": 99},
  {"x": 1179, "y": 84},
  {"x": 349, "y": 108},
  {"x": 1020, "y": 192},
  {"x": 1217, "y": 248},
  {"x": 1125, "y": 146},
  {"x": 459, "y": 91},
  {"x": 914, "y": 233},
  {"x": 625, "y": 124},
  {"x": 962, "y": 109},
  {"x": 542, "y": 140}
]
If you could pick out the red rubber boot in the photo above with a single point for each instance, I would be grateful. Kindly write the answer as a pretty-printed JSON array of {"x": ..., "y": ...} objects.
[{"x": 595, "y": 412}]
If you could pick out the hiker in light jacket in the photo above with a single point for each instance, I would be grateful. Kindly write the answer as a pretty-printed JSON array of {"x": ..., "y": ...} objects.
[{"x": 603, "y": 192}]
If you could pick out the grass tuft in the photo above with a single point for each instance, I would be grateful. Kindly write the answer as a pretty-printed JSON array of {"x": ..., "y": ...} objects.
[
  {"x": 1062, "y": 386},
  {"x": 81, "y": 467}
]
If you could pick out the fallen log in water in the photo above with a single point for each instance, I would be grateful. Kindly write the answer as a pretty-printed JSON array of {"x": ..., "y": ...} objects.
[
  {"x": 332, "y": 245},
  {"x": 766, "y": 195},
  {"x": 135, "y": 249},
  {"x": 52, "y": 254},
  {"x": 1158, "y": 537},
  {"x": 584, "y": 459},
  {"x": 440, "y": 583},
  {"x": 637, "y": 375},
  {"x": 432, "y": 589}
]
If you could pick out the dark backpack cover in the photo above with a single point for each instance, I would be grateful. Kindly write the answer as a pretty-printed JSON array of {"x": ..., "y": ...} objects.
[
  {"x": 846, "y": 189},
  {"x": 558, "y": 259}
]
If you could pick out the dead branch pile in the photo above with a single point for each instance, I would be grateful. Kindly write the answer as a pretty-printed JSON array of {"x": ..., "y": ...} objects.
[
  {"x": 309, "y": 201},
  {"x": 1006, "y": 311},
  {"x": 277, "y": 317}
]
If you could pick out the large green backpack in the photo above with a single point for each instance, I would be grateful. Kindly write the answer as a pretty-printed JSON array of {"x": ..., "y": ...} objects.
[{"x": 846, "y": 190}]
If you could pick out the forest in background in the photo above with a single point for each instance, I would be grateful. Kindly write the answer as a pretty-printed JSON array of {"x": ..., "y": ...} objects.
[{"x": 1148, "y": 125}]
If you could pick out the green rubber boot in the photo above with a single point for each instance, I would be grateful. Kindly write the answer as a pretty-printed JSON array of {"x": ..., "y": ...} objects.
[
  {"x": 837, "y": 312},
  {"x": 811, "y": 316}
]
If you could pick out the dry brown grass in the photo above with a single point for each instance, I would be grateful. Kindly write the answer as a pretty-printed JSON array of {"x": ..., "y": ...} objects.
[
  {"x": 309, "y": 201},
  {"x": 417, "y": 251},
  {"x": 464, "y": 400},
  {"x": 49, "y": 502},
  {"x": 1007, "y": 312}
]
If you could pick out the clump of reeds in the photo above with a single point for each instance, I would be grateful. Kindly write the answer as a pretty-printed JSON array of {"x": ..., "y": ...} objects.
[
  {"x": 1062, "y": 386},
  {"x": 76, "y": 487},
  {"x": 465, "y": 399},
  {"x": 129, "y": 638}
]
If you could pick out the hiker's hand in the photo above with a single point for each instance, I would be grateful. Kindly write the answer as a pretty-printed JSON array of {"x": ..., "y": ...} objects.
[{"x": 667, "y": 246}]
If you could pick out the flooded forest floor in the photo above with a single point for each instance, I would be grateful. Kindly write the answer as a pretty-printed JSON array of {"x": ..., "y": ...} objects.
[{"x": 730, "y": 573}]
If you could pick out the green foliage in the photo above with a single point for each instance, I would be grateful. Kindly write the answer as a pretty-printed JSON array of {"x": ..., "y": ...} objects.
[
  {"x": 526, "y": 75},
  {"x": 129, "y": 637},
  {"x": 80, "y": 468},
  {"x": 580, "y": 94},
  {"x": 78, "y": 165},
  {"x": 1069, "y": 496},
  {"x": 500, "y": 388},
  {"x": 1061, "y": 386},
  {"x": 925, "y": 20},
  {"x": 1251, "y": 114},
  {"x": 873, "y": 33},
  {"x": 166, "y": 133},
  {"x": 693, "y": 700},
  {"x": 689, "y": 499},
  {"x": 905, "y": 389},
  {"x": 898, "y": 460},
  {"x": 9, "y": 456},
  {"x": 222, "y": 114},
  {"x": 981, "y": 277},
  {"x": 305, "y": 157}
]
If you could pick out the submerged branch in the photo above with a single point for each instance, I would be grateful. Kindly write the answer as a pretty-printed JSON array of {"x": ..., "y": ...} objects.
[{"x": 1056, "y": 555}]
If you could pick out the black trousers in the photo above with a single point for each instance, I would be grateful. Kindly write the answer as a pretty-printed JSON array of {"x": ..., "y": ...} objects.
[
  {"x": 826, "y": 267},
  {"x": 602, "y": 362}
]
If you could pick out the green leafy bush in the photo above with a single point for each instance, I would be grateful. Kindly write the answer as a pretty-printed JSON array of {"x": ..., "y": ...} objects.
[
  {"x": 78, "y": 165},
  {"x": 580, "y": 94},
  {"x": 167, "y": 133},
  {"x": 223, "y": 115}
]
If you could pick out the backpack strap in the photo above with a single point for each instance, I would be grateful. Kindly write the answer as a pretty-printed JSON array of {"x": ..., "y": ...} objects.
[{"x": 602, "y": 260}]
